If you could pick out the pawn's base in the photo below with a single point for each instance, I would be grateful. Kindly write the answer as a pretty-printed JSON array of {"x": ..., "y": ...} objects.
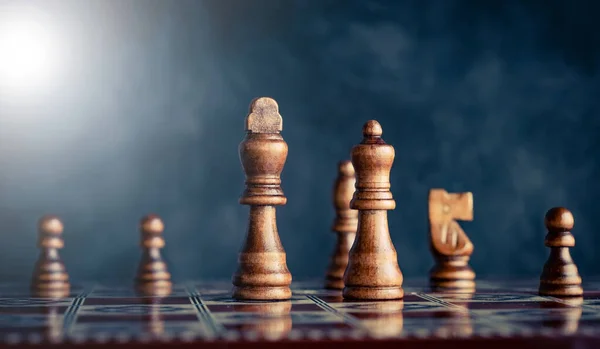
[
  {"x": 157, "y": 288},
  {"x": 334, "y": 283},
  {"x": 262, "y": 293},
  {"x": 55, "y": 289},
  {"x": 466, "y": 286},
  {"x": 373, "y": 293},
  {"x": 560, "y": 290}
]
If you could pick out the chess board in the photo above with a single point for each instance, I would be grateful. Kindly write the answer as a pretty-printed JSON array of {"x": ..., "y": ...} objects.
[{"x": 496, "y": 315}]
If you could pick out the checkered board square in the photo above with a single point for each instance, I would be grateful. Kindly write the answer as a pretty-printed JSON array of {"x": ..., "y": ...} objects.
[{"x": 205, "y": 312}]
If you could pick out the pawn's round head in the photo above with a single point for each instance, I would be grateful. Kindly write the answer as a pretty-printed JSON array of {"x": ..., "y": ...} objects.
[
  {"x": 152, "y": 224},
  {"x": 345, "y": 168},
  {"x": 372, "y": 128},
  {"x": 50, "y": 225},
  {"x": 559, "y": 219}
]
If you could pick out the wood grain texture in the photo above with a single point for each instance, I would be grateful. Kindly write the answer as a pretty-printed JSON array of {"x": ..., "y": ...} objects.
[
  {"x": 373, "y": 272},
  {"x": 50, "y": 278},
  {"x": 344, "y": 224},
  {"x": 560, "y": 277},
  {"x": 262, "y": 272},
  {"x": 449, "y": 244},
  {"x": 153, "y": 277}
]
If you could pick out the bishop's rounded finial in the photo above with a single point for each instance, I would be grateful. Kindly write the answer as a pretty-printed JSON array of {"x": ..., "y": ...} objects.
[
  {"x": 559, "y": 219},
  {"x": 50, "y": 225},
  {"x": 372, "y": 129},
  {"x": 152, "y": 224}
]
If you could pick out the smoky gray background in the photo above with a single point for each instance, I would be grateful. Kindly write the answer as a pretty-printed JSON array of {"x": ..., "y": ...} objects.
[{"x": 498, "y": 97}]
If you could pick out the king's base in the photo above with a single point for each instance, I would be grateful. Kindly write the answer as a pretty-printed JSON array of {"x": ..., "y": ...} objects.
[
  {"x": 373, "y": 293},
  {"x": 157, "y": 288},
  {"x": 262, "y": 293}
]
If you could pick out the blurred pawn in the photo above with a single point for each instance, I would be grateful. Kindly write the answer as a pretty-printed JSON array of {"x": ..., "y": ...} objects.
[
  {"x": 153, "y": 278},
  {"x": 50, "y": 278},
  {"x": 344, "y": 225}
]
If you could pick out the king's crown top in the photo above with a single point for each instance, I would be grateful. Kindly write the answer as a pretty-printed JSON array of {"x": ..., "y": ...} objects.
[{"x": 264, "y": 116}]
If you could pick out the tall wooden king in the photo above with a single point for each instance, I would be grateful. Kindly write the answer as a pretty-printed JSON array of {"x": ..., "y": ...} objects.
[{"x": 262, "y": 273}]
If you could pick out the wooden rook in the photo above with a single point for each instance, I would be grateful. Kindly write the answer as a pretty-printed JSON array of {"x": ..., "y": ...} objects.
[
  {"x": 344, "y": 225},
  {"x": 560, "y": 277},
  {"x": 450, "y": 246},
  {"x": 152, "y": 278},
  {"x": 262, "y": 270},
  {"x": 373, "y": 272},
  {"x": 50, "y": 278}
]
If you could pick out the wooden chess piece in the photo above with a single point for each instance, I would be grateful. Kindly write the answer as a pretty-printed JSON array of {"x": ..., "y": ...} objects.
[
  {"x": 373, "y": 272},
  {"x": 262, "y": 270},
  {"x": 50, "y": 278},
  {"x": 344, "y": 225},
  {"x": 450, "y": 246},
  {"x": 560, "y": 277},
  {"x": 152, "y": 277}
]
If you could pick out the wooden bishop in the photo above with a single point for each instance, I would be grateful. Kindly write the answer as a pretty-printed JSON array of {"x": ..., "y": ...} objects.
[
  {"x": 50, "y": 278},
  {"x": 560, "y": 277},
  {"x": 152, "y": 278},
  {"x": 262, "y": 270},
  {"x": 450, "y": 246},
  {"x": 344, "y": 225},
  {"x": 373, "y": 272}
]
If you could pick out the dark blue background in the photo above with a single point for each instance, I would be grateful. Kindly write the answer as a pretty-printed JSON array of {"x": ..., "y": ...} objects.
[{"x": 500, "y": 98}]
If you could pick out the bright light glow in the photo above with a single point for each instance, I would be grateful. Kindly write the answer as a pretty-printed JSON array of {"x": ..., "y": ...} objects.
[{"x": 28, "y": 50}]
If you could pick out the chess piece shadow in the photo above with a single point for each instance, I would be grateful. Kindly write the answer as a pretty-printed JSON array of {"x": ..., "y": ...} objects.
[
  {"x": 384, "y": 319},
  {"x": 456, "y": 323},
  {"x": 565, "y": 321},
  {"x": 155, "y": 324},
  {"x": 55, "y": 328},
  {"x": 272, "y": 319}
]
